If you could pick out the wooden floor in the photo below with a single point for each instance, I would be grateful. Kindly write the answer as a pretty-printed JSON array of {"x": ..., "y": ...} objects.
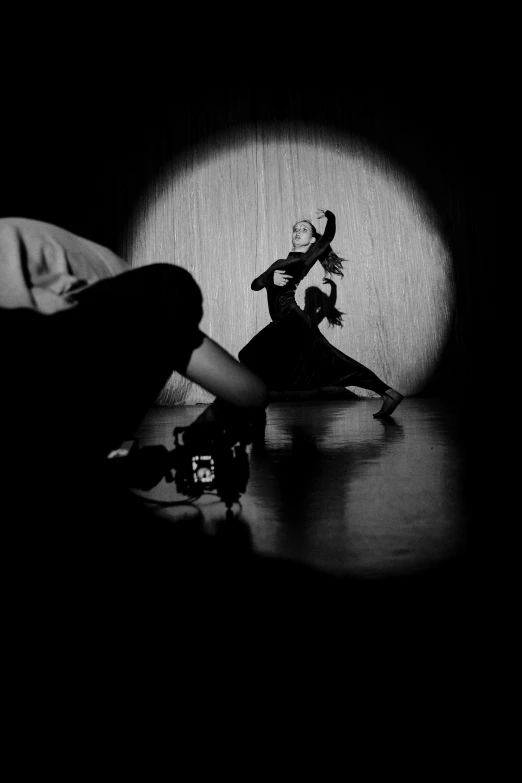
[
  {"x": 356, "y": 539},
  {"x": 339, "y": 491}
]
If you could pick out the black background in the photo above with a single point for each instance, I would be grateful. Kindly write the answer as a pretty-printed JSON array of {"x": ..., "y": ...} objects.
[{"x": 82, "y": 100}]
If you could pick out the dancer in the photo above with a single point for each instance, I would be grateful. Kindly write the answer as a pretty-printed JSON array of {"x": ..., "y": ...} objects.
[{"x": 291, "y": 352}]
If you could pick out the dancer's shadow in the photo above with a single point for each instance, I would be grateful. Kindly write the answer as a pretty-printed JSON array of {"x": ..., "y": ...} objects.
[{"x": 318, "y": 305}]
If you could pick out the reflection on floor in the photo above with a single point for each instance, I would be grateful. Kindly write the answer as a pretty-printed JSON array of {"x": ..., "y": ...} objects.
[
  {"x": 354, "y": 540},
  {"x": 335, "y": 489}
]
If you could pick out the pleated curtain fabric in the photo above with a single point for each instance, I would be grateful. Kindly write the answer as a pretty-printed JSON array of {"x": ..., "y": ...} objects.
[{"x": 224, "y": 210}]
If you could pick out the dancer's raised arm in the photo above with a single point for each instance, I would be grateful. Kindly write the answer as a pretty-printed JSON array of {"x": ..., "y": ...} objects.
[
  {"x": 306, "y": 241},
  {"x": 320, "y": 245}
]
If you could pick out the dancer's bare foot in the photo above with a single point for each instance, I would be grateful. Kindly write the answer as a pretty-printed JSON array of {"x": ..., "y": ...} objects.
[{"x": 390, "y": 400}]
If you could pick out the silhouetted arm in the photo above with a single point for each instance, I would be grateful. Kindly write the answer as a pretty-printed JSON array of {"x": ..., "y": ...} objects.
[
  {"x": 332, "y": 299},
  {"x": 213, "y": 368},
  {"x": 241, "y": 397}
]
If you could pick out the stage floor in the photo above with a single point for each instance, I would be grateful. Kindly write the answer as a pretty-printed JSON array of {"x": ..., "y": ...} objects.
[{"x": 339, "y": 491}]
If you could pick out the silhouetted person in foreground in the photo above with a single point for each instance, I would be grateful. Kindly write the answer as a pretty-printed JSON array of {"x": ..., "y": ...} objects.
[{"x": 88, "y": 344}]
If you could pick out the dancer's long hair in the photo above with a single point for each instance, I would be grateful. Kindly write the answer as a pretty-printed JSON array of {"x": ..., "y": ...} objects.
[{"x": 329, "y": 260}]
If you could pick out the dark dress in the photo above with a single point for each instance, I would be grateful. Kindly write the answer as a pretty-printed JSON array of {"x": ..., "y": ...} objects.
[{"x": 291, "y": 353}]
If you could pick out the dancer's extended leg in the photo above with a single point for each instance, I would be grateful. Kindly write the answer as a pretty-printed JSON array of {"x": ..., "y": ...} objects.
[
  {"x": 361, "y": 376},
  {"x": 390, "y": 399}
]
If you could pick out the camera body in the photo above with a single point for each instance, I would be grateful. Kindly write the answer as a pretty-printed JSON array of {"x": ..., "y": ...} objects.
[{"x": 205, "y": 459}]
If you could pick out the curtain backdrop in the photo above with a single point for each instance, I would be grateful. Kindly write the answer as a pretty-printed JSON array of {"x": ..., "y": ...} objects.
[{"x": 224, "y": 211}]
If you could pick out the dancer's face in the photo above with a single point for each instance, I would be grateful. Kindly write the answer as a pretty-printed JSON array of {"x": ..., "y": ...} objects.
[{"x": 302, "y": 235}]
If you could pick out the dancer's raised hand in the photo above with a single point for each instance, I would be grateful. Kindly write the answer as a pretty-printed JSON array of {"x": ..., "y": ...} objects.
[{"x": 320, "y": 214}]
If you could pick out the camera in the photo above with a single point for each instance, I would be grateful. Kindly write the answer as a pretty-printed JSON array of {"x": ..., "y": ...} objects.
[{"x": 205, "y": 459}]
